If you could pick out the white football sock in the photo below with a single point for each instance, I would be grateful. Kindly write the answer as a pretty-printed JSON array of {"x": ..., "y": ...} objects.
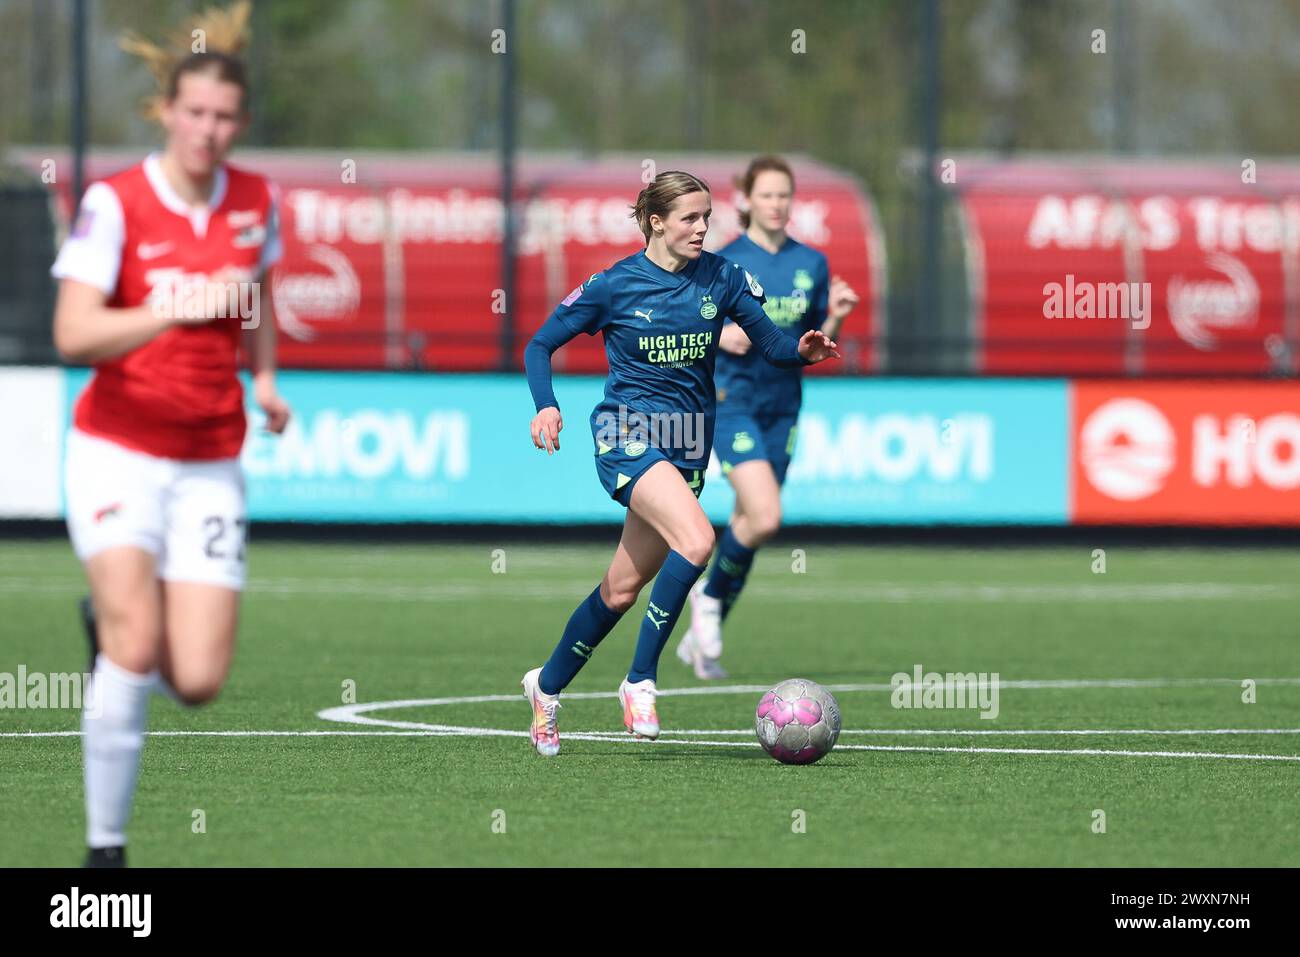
[{"x": 112, "y": 727}]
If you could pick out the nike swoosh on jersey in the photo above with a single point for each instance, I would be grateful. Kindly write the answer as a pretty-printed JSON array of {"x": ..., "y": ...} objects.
[{"x": 153, "y": 250}]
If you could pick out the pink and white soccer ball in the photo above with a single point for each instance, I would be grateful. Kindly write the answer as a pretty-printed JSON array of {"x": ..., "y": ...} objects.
[{"x": 798, "y": 721}]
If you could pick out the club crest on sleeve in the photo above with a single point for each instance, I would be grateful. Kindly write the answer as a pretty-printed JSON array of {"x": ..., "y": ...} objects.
[{"x": 85, "y": 222}]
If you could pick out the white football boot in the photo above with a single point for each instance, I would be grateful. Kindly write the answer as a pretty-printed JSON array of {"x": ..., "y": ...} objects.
[
  {"x": 639, "y": 715},
  {"x": 706, "y": 669},
  {"x": 701, "y": 646},
  {"x": 543, "y": 731}
]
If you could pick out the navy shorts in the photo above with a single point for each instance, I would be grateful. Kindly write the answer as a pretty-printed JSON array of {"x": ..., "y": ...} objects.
[
  {"x": 621, "y": 466},
  {"x": 740, "y": 437}
]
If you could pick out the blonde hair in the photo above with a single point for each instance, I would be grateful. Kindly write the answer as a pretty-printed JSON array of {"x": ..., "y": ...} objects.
[
  {"x": 224, "y": 34},
  {"x": 760, "y": 164},
  {"x": 657, "y": 198}
]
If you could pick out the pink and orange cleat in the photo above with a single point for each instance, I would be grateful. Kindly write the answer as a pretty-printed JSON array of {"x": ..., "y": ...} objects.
[
  {"x": 543, "y": 731},
  {"x": 639, "y": 715}
]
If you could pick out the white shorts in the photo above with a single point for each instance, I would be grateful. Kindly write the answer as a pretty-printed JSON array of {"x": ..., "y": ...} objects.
[{"x": 189, "y": 515}]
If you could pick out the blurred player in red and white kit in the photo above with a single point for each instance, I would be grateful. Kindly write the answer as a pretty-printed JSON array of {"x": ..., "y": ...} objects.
[{"x": 157, "y": 279}]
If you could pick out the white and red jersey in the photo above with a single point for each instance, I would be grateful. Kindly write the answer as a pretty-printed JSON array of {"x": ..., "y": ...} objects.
[{"x": 177, "y": 396}]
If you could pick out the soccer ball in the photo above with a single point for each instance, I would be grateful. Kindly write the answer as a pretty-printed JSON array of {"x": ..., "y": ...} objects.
[{"x": 797, "y": 722}]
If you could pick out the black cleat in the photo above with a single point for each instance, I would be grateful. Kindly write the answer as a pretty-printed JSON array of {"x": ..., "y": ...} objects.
[
  {"x": 92, "y": 632},
  {"x": 106, "y": 857}
]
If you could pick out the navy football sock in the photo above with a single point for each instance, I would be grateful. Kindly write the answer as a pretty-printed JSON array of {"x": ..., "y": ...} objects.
[
  {"x": 667, "y": 599},
  {"x": 730, "y": 569},
  {"x": 588, "y": 625}
]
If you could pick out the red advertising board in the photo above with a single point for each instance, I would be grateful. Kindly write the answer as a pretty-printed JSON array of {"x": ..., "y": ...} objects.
[
  {"x": 1178, "y": 453},
  {"x": 394, "y": 261},
  {"x": 1118, "y": 268}
]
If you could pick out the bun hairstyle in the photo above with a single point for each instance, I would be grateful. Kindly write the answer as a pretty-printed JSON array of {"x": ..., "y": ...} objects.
[
  {"x": 760, "y": 164},
  {"x": 224, "y": 34},
  {"x": 658, "y": 197}
]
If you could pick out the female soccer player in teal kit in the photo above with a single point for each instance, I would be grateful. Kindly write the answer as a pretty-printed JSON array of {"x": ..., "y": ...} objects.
[
  {"x": 660, "y": 311},
  {"x": 758, "y": 404}
]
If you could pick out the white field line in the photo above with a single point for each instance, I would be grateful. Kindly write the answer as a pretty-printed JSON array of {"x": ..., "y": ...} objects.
[
  {"x": 445, "y": 730},
  {"x": 358, "y": 714},
  {"x": 343, "y": 712}
]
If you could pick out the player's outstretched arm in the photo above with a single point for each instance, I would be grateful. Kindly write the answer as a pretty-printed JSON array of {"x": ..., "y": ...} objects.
[
  {"x": 778, "y": 348},
  {"x": 815, "y": 346},
  {"x": 87, "y": 331},
  {"x": 547, "y": 423}
]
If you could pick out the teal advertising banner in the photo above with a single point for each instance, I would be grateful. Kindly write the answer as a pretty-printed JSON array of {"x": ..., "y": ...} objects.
[{"x": 398, "y": 447}]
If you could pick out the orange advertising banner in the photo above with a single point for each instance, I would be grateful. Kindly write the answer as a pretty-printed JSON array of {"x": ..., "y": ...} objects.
[{"x": 1180, "y": 453}]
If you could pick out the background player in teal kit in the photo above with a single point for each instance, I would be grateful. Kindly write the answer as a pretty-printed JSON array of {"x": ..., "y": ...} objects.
[
  {"x": 660, "y": 312},
  {"x": 758, "y": 404}
]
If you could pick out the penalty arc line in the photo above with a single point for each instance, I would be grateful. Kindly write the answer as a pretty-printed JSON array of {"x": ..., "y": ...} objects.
[
  {"x": 349, "y": 712},
  {"x": 357, "y": 714}
]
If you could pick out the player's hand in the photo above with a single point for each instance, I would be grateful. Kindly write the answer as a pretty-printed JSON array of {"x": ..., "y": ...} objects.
[
  {"x": 179, "y": 303},
  {"x": 816, "y": 347},
  {"x": 733, "y": 339},
  {"x": 842, "y": 299},
  {"x": 199, "y": 300},
  {"x": 276, "y": 409},
  {"x": 546, "y": 429}
]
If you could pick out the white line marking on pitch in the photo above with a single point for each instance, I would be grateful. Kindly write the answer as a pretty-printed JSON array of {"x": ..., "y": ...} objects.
[
  {"x": 967, "y": 732},
  {"x": 451, "y": 731},
  {"x": 345, "y": 712},
  {"x": 358, "y": 714},
  {"x": 445, "y": 730}
]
